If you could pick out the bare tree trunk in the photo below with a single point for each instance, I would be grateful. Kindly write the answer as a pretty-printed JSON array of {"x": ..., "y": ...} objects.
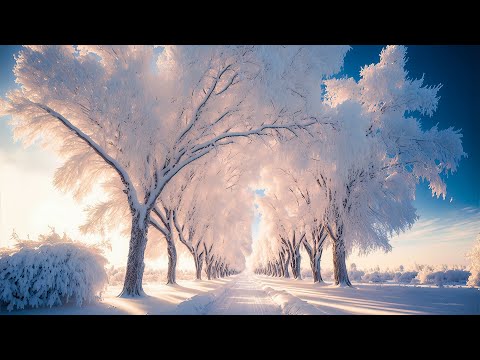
[
  {"x": 311, "y": 257},
  {"x": 208, "y": 270},
  {"x": 315, "y": 256},
  {"x": 339, "y": 265},
  {"x": 208, "y": 260},
  {"x": 318, "y": 258},
  {"x": 132, "y": 285},
  {"x": 295, "y": 264},
  {"x": 280, "y": 266},
  {"x": 198, "y": 265},
  {"x": 285, "y": 266},
  {"x": 298, "y": 260},
  {"x": 172, "y": 260}
]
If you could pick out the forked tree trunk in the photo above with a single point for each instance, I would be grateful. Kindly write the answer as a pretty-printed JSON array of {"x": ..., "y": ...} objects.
[
  {"x": 172, "y": 260},
  {"x": 132, "y": 285},
  {"x": 339, "y": 264}
]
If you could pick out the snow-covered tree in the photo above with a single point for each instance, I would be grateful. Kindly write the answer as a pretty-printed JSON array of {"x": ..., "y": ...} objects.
[
  {"x": 474, "y": 257},
  {"x": 311, "y": 205},
  {"x": 191, "y": 233},
  {"x": 379, "y": 164},
  {"x": 110, "y": 112},
  {"x": 283, "y": 231},
  {"x": 215, "y": 189},
  {"x": 367, "y": 164}
]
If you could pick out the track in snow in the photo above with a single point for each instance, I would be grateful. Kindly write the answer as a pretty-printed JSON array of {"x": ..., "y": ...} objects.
[{"x": 244, "y": 297}]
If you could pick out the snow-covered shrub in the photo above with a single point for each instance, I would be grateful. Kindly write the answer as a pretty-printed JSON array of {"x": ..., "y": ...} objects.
[
  {"x": 405, "y": 277},
  {"x": 354, "y": 274},
  {"x": 51, "y": 271},
  {"x": 377, "y": 276},
  {"x": 474, "y": 257},
  {"x": 374, "y": 277},
  {"x": 442, "y": 276}
]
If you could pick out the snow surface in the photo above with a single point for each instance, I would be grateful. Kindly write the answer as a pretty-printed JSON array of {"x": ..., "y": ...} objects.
[
  {"x": 372, "y": 299},
  {"x": 245, "y": 297},
  {"x": 263, "y": 295},
  {"x": 161, "y": 299}
]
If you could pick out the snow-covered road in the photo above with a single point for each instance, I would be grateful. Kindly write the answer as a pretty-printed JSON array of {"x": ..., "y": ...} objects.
[{"x": 244, "y": 296}]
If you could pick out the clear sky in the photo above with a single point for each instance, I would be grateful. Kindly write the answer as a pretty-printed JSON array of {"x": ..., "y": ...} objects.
[{"x": 445, "y": 231}]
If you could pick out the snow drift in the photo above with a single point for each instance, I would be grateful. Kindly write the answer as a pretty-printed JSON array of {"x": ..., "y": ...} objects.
[
  {"x": 291, "y": 305},
  {"x": 200, "y": 304},
  {"x": 51, "y": 271}
]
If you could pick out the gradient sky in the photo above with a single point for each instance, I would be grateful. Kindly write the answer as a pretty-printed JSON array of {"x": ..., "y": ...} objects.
[{"x": 445, "y": 231}]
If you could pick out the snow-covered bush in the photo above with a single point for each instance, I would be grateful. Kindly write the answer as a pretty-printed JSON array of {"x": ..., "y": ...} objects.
[
  {"x": 442, "y": 276},
  {"x": 405, "y": 277},
  {"x": 377, "y": 276},
  {"x": 354, "y": 274},
  {"x": 51, "y": 271},
  {"x": 373, "y": 277},
  {"x": 474, "y": 257}
]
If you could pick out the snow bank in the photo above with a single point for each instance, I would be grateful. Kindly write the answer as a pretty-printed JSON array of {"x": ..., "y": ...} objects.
[
  {"x": 200, "y": 304},
  {"x": 291, "y": 305},
  {"x": 51, "y": 271}
]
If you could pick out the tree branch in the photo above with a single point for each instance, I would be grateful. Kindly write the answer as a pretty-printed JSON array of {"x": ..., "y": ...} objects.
[{"x": 131, "y": 191}]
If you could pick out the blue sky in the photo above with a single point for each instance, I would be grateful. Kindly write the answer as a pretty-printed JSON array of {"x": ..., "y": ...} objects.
[{"x": 443, "y": 234}]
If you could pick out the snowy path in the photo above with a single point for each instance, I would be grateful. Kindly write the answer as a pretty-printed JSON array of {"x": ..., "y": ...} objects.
[{"x": 244, "y": 296}]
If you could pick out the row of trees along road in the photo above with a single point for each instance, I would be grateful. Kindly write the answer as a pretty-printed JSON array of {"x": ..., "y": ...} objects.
[{"x": 159, "y": 126}]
